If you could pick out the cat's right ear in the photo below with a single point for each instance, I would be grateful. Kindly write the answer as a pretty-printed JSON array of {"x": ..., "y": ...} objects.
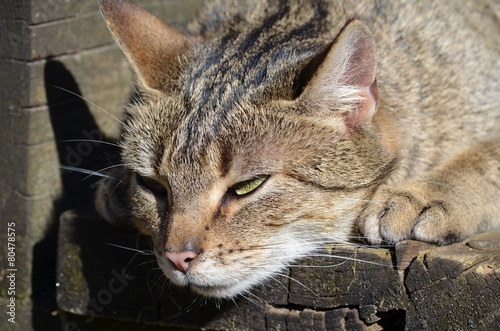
[
  {"x": 152, "y": 47},
  {"x": 343, "y": 87}
]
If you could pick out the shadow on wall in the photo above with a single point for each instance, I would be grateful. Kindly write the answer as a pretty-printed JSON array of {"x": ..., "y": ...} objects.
[{"x": 78, "y": 143}]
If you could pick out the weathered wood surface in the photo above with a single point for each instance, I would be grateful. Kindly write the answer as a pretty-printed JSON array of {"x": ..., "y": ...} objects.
[{"x": 413, "y": 286}]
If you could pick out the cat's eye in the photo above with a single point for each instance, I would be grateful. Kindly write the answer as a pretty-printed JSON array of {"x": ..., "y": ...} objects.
[
  {"x": 248, "y": 186},
  {"x": 152, "y": 184}
]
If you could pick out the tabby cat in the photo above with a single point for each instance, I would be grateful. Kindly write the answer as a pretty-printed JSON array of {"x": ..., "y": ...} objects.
[{"x": 271, "y": 128}]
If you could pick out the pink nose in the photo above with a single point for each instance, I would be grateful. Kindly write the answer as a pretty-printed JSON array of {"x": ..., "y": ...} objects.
[{"x": 181, "y": 260}]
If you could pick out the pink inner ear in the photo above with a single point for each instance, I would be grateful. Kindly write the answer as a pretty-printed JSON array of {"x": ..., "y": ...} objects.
[
  {"x": 362, "y": 64},
  {"x": 360, "y": 71},
  {"x": 367, "y": 106},
  {"x": 344, "y": 86}
]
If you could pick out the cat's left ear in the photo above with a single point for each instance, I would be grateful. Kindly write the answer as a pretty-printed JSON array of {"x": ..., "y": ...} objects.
[
  {"x": 152, "y": 47},
  {"x": 344, "y": 86}
]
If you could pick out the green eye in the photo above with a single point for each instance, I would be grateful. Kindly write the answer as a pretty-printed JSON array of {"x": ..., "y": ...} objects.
[
  {"x": 152, "y": 184},
  {"x": 248, "y": 185}
]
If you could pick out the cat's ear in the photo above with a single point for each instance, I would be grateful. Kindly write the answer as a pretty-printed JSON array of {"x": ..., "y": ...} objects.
[
  {"x": 344, "y": 84},
  {"x": 152, "y": 47}
]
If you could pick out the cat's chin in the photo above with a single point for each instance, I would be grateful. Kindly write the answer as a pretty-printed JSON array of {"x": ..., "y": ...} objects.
[
  {"x": 219, "y": 291},
  {"x": 212, "y": 283},
  {"x": 216, "y": 290}
]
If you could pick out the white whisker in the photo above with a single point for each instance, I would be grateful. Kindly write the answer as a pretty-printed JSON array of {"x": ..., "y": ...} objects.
[
  {"x": 192, "y": 305},
  {"x": 110, "y": 167},
  {"x": 137, "y": 93},
  {"x": 300, "y": 283},
  {"x": 235, "y": 303},
  {"x": 85, "y": 171},
  {"x": 90, "y": 140},
  {"x": 319, "y": 266},
  {"x": 131, "y": 249},
  {"x": 251, "y": 300},
  {"x": 93, "y": 104},
  {"x": 347, "y": 258},
  {"x": 276, "y": 280}
]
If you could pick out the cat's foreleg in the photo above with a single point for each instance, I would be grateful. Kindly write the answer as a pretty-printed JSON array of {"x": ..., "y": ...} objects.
[{"x": 457, "y": 199}]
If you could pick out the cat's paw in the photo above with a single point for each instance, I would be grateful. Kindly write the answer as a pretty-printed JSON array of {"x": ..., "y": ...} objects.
[{"x": 411, "y": 212}]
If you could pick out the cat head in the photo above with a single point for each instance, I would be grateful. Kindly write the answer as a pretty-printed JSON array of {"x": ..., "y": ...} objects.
[{"x": 246, "y": 151}]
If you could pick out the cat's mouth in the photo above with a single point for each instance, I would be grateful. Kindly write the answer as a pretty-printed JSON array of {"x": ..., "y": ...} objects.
[{"x": 211, "y": 281}]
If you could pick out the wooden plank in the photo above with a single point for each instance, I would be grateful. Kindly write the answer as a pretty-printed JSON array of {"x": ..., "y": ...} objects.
[
  {"x": 69, "y": 36},
  {"x": 14, "y": 9},
  {"x": 42, "y": 11},
  {"x": 175, "y": 13},
  {"x": 86, "y": 73},
  {"x": 58, "y": 27},
  {"x": 15, "y": 38},
  {"x": 35, "y": 179},
  {"x": 14, "y": 87},
  {"x": 344, "y": 278},
  {"x": 455, "y": 285},
  {"x": 23, "y": 308}
]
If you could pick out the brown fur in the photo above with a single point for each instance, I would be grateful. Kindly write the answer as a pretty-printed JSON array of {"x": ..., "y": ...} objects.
[{"x": 387, "y": 124}]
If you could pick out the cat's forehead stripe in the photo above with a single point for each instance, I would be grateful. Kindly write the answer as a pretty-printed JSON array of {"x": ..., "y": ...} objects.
[{"x": 235, "y": 67}]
